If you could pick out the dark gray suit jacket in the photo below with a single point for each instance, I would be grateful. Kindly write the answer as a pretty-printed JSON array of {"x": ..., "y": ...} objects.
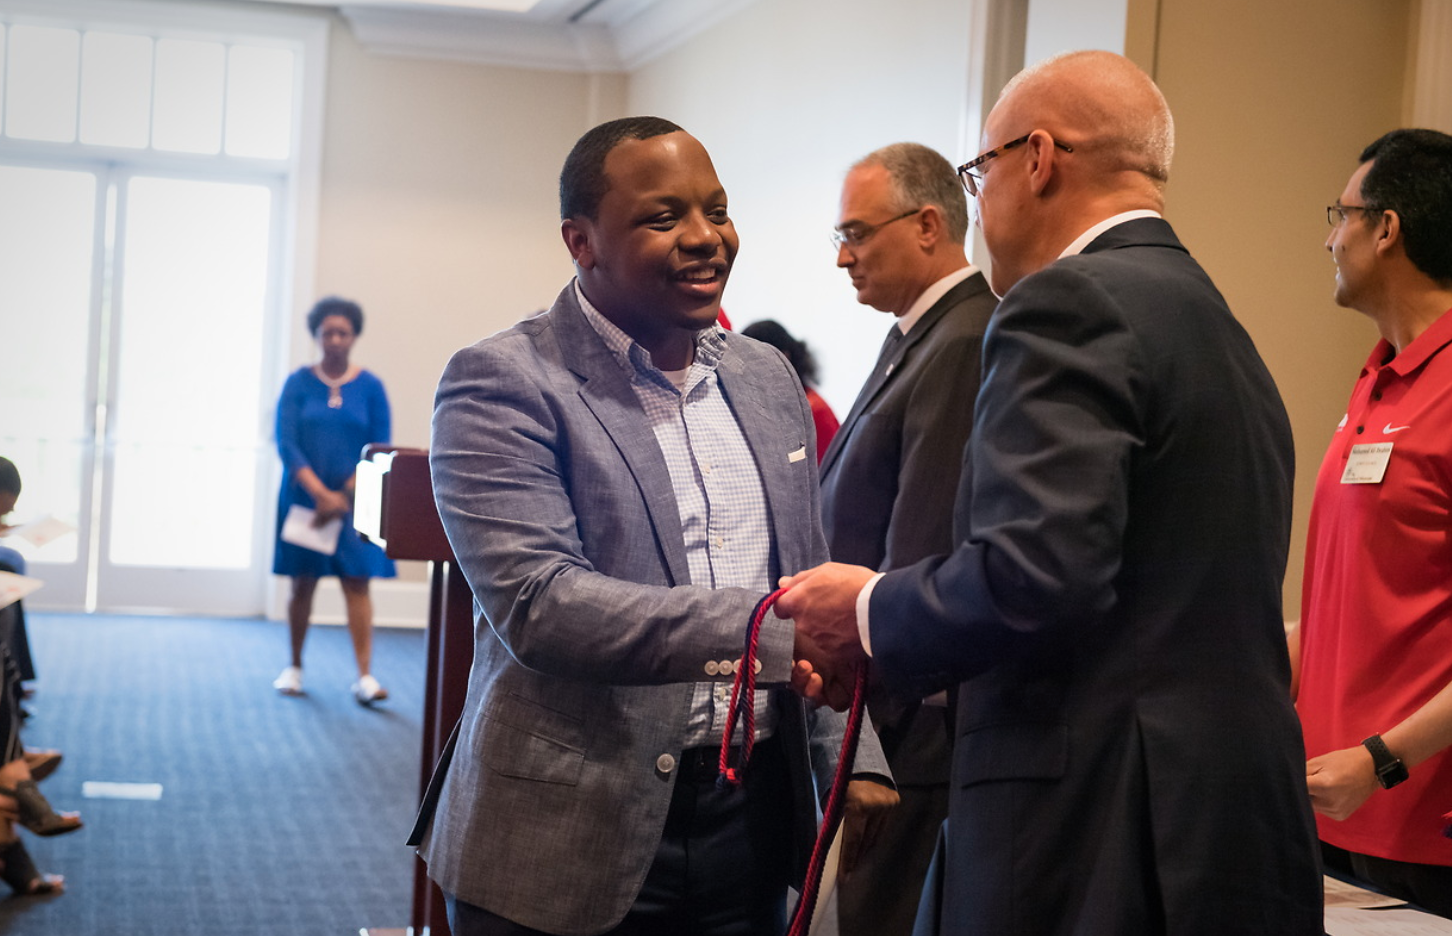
[
  {"x": 1128, "y": 759},
  {"x": 588, "y": 634},
  {"x": 889, "y": 480}
]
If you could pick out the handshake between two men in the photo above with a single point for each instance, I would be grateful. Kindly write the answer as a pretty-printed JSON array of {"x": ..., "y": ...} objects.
[{"x": 822, "y": 602}]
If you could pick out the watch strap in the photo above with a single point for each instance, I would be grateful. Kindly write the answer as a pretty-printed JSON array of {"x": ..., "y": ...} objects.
[{"x": 1389, "y": 768}]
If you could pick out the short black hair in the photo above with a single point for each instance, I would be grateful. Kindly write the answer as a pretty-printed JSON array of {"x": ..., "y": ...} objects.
[
  {"x": 9, "y": 477},
  {"x": 797, "y": 354},
  {"x": 1411, "y": 174},
  {"x": 333, "y": 305},
  {"x": 582, "y": 180}
]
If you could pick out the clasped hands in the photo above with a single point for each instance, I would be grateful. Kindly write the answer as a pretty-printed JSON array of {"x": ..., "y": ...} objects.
[
  {"x": 823, "y": 603},
  {"x": 330, "y": 504}
]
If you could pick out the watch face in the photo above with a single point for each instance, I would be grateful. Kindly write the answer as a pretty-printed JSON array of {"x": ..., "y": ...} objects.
[{"x": 1389, "y": 775}]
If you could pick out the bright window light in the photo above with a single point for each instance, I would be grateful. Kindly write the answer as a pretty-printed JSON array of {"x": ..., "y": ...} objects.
[
  {"x": 188, "y": 100},
  {"x": 46, "y": 239},
  {"x": 189, "y": 372},
  {"x": 259, "y": 102},
  {"x": 2, "y": 74},
  {"x": 41, "y": 82},
  {"x": 116, "y": 90}
]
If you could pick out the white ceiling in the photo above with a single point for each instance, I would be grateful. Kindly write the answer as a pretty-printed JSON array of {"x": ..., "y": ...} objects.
[{"x": 558, "y": 35}]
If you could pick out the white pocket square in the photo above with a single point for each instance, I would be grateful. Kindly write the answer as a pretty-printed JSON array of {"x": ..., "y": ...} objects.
[{"x": 799, "y": 455}]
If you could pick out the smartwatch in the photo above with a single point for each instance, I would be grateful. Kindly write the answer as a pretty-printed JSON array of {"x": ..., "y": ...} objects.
[{"x": 1389, "y": 769}]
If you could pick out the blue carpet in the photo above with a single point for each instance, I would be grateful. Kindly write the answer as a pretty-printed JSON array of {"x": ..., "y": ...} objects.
[{"x": 281, "y": 816}]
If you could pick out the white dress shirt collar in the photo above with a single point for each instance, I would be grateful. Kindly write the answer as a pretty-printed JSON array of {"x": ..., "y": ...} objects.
[
  {"x": 1085, "y": 239},
  {"x": 930, "y": 296}
]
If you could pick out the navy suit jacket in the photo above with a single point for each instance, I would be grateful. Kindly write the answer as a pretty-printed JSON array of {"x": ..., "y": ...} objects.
[{"x": 1128, "y": 759}]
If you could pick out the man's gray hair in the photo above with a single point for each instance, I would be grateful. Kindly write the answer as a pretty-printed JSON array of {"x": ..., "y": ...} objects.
[{"x": 921, "y": 176}]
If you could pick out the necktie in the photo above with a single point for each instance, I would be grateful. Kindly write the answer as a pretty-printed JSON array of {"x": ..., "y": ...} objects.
[{"x": 887, "y": 357}]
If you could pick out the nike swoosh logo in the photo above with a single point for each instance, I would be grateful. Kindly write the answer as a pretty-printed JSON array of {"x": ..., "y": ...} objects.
[{"x": 1390, "y": 429}]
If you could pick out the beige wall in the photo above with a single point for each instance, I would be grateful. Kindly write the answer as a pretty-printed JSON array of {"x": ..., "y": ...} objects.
[
  {"x": 438, "y": 208},
  {"x": 438, "y": 212},
  {"x": 1272, "y": 104}
]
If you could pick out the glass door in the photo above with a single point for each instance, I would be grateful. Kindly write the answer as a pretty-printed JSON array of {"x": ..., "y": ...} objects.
[
  {"x": 49, "y": 310},
  {"x": 136, "y": 319},
  {"x": 148, "y": 173},
  {"x": 186, "y": 445}
]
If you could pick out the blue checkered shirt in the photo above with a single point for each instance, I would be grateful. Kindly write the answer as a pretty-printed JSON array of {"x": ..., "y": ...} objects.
[{"x": 719, "y": 494}]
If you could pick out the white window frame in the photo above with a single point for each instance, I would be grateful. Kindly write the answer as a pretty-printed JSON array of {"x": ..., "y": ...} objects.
[{"x": 298, "y": 177}]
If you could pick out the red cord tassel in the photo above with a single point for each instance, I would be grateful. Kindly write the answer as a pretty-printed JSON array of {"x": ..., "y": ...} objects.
[{"x": 743, "y": 699}]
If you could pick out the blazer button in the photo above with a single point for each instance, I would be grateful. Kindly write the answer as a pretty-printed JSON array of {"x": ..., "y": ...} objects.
[
  {"x": 712, "y": 667},
  {"x": 756, "y": 667},
  {"x": 665, "y": 763},
  {"x": 727, "y": 668}
]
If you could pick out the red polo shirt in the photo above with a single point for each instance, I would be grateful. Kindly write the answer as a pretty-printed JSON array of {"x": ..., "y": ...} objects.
[{"x": 1376, "y": 617}]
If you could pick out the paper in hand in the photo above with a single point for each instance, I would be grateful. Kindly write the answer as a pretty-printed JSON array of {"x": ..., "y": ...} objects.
[
  {"x": 15, "y": 587},
  {"x": 298, "y": 529},
  {"x": 42, "y": 531}
]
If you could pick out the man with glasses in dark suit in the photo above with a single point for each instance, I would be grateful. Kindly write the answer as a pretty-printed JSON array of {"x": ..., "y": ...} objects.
[{"x": 891, "y": 473}]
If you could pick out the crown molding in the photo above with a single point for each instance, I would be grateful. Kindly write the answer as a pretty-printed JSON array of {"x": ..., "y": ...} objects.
[
  {"x": 485, "y": 39},
  {"x": 661, "y": 27},
  {"x": 652, "y": 31}
]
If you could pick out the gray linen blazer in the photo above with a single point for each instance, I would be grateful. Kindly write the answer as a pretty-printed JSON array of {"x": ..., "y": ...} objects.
[{"x": 588, "y": 633}]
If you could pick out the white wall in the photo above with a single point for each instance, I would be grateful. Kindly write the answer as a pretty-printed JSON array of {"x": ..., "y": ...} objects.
[
  {"x": 785, "y": 96},
  {"x": 1056, "y": 26}
]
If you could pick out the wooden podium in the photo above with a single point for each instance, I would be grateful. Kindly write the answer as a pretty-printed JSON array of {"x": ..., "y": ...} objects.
[{"x": 393, "y": 506}]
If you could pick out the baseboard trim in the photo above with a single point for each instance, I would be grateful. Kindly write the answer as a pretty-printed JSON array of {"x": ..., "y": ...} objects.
[{"x": 395, "y": 603}]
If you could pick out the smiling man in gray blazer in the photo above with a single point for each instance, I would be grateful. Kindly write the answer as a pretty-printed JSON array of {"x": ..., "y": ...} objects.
[{"x": 621, "y": 482}]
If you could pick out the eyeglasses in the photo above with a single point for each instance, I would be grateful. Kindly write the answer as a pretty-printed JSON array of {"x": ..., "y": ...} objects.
[
  {"x": 858, "y": 234},
  {"x": 1336, "y": 213},
  {"x": 970, "y": 178}
]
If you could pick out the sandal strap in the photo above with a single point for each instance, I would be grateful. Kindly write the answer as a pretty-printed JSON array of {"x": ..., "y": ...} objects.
[{"x": 17, "y": 870}]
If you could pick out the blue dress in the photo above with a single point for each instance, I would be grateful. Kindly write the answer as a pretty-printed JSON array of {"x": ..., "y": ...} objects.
[{"x": 311, "y": 434}]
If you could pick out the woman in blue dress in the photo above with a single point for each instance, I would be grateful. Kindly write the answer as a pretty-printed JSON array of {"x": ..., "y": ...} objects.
[{"x": 327, "y": 413}]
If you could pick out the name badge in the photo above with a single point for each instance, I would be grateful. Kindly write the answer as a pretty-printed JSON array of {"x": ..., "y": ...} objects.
[{"x": 1367, "y": 463}]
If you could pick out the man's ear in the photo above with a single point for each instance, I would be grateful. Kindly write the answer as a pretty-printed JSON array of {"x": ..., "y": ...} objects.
[
  {"x": 1388, "y": 232},
  {"x": 930, "y": 226},
  {"x": 577, "y": 234},
  {"x": 1041, "y": 156}
]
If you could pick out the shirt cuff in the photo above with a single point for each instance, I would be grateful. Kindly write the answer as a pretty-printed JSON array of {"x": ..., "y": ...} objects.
[{"x": 864, "y": 600}]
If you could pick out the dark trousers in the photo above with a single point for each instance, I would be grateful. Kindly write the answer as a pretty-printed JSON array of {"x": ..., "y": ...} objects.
[
  {"x": 1427, "y": 886},
  {"x": 722, "y": 865}
]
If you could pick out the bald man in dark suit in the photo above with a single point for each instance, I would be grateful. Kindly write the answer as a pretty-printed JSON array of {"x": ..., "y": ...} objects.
[{"x": 1126, "y": 759}]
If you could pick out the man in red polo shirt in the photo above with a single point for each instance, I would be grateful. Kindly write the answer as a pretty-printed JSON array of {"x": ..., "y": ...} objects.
[{"x": 1374, "y": 686}]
